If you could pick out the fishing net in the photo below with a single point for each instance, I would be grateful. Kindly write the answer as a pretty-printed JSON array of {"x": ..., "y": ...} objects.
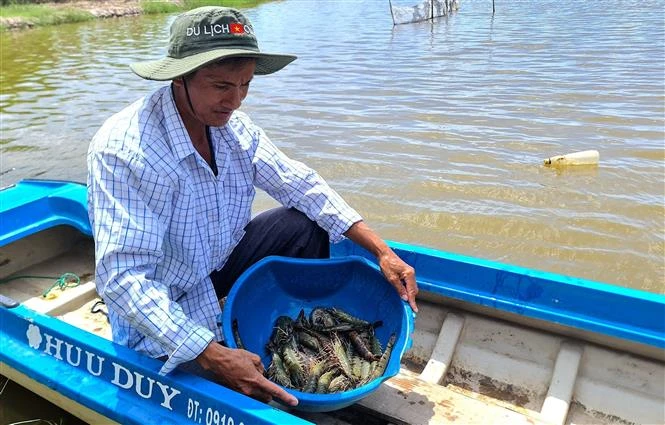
[{"x": 426, "y": 9}]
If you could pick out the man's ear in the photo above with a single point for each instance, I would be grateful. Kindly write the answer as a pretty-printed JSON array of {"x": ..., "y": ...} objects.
[{"x": 179, "y": 82}]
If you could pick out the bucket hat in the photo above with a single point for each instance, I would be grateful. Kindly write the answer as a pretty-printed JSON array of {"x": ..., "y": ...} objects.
[{"x": 207, "y": 34}]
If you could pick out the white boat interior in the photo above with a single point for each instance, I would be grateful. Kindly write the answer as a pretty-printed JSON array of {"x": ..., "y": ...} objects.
[{"x": 467, "y": 365}]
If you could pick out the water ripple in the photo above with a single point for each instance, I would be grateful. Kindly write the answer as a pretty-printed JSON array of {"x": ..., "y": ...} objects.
[{"x": 434, "y": 131}]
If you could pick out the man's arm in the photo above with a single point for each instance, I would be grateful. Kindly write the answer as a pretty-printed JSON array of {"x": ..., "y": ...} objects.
[
  {"x": 294, "y": 184},
  {"x": 128, "y": 238},
  {"x": 401, "y": 275}
]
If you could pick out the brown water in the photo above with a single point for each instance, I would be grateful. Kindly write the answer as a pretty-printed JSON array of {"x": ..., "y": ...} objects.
[
  {"x": 19, "y": 406},
  {"x": 434, "y": 131}
]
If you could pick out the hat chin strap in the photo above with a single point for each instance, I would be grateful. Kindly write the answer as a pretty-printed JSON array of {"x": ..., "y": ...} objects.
[
  {"x": 191, "y": 107},
  {"x": 189, "y": 99}
]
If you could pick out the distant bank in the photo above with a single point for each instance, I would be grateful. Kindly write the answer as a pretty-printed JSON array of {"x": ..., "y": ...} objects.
[{"x": 17, "y": 15}]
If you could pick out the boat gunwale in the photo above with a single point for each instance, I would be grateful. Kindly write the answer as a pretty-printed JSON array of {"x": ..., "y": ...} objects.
[{"x": 649, "y": 331}]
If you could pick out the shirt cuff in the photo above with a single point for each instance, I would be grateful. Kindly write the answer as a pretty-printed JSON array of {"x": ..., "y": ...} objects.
[
  {"x": 189, "y": 349},
  {"x": 344, "y": 223}
]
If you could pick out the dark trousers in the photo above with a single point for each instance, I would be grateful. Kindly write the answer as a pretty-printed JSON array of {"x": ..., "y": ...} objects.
[{"x": 279, "y": 231}]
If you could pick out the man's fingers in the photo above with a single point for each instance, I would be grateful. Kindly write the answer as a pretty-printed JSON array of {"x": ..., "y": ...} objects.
[
  {"x": 400, "y": 285},
  {"x": 411, "y": 290},
  {"x": 412, "y": 303},
  {"x": 407, "y": 288},
  {"x": 274, "y": 391}
]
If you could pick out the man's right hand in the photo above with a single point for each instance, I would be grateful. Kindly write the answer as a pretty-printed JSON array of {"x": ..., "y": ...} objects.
[{"x": 242, "y": 371}]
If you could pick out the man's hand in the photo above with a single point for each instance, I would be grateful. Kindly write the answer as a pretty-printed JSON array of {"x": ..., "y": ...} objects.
[
  {"x": 401, "y": 275},
  {"x": 242, "y": 371}
]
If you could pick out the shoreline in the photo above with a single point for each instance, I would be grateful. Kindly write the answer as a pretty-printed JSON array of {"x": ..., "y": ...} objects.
[
  {"x": 29, "y": 15},
  {"x": 97, "y": 9}
]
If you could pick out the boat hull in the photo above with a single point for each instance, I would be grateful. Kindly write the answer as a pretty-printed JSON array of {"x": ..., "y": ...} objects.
[{"x": 493, "y": 342}]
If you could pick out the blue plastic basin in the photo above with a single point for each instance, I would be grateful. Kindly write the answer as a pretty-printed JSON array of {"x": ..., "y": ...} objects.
[{"x": 277, "y": 286}]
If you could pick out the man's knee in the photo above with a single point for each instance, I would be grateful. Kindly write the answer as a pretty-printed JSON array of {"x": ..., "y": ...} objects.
[
  {"x": 311, "y": 239},
  {"x": 299, "y": 219},
  {"x": 289, "y": 232},
  {"x": 305, "y": 223}
]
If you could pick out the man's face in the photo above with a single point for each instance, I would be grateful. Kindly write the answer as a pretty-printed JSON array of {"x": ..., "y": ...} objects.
[{"x": 219, "y": 89}]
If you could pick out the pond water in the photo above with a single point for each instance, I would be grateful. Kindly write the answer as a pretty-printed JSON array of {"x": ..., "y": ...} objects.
[{"x": 435, "y": 131}]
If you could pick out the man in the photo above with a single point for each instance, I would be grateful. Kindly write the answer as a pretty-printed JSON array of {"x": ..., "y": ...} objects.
[{"x": 170, "y": 188}]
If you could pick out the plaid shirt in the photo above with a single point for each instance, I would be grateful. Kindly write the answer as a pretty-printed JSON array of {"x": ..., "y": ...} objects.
[{"x": 163, "y": 221}]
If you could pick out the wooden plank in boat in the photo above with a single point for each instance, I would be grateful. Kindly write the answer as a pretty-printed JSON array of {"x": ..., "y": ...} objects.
[
  {"x": 406, "y": 399},
  {"x": 84, "y": 318},
  {"x": 60, "y": 301},
  {"x": 79, "y": 259}
]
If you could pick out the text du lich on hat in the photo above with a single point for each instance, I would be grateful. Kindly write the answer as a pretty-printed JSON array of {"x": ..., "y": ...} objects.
[{"x": 215, "y": 29}]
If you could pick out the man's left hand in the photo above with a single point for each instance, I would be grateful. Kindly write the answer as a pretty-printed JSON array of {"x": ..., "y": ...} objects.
[{"x": 401, "y": 275}]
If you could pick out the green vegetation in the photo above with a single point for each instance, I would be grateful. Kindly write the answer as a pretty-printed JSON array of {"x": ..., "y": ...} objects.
[
  {"x": 21, "y": 14},
  {"x": 152, "y": 6},
  {"x": 39, "y": 14}
]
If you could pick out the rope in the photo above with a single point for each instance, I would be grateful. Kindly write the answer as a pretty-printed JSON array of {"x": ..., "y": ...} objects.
[{"x": 67, "y": 280}]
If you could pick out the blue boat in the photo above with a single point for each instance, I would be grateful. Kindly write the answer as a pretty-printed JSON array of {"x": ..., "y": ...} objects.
[{"x": 493, "y": 343}]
